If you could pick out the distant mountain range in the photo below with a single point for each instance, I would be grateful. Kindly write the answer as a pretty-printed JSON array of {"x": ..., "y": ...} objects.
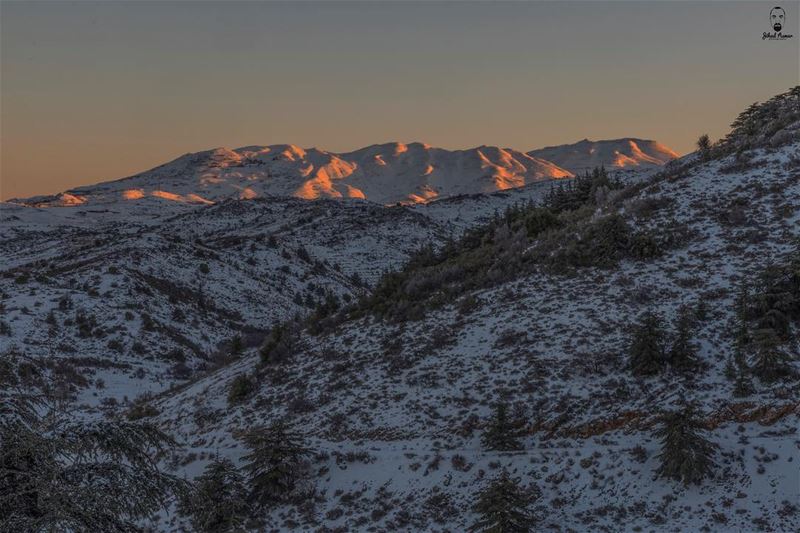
[{"x": 383, "y": 173}]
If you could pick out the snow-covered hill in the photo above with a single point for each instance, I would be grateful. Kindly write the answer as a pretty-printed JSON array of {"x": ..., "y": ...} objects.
[
  {"x": 140, "y": 302},
  {"x": 385, "y": 174},
  {"x": 618, "y": 153},
  {"x": 112, "y": 293},
  {"x": 396, "y": 408}
]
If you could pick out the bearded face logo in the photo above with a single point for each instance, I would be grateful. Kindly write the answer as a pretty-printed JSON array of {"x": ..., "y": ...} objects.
[{"x": 777, "y": 18}]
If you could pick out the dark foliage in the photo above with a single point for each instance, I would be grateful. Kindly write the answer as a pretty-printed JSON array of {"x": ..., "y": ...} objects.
[
  {"x": 276, "y": 464},
  {"x": 766, "y": 320},
  {"x": 218, "y": 501},
  {"x": 647, "y": 346},
  {"x": 241, "y": 388},
  {"x": 502, "y": 433},
  {"x": 686, "y": 455},
  {"x": 279, "y": 344},
  {"x": 498, "y": 251},
  {"x": 682, "y": 353},
  {"x": 57, "y": 475},
  {"x": 503, "y": 507},
  {"x": 762, "y": 123}
]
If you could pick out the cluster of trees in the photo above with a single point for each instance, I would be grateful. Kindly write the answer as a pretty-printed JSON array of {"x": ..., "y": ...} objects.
[
  {"x": 601, "y": 243},
  {"x": 765, "y": 317},
  {"x": 759, "y": 124},
  {"x": 650, "y": 351},
  {"x": 686, "y": 455},
  {"x": 63, "y": 475},
  {"x": 58, "y": 474},
  {"x": 497, "y": 251},
  {"x": 279, "y": 344},
  {"x": 589, "y": 189},
  {"x": 276, "y": 470}
]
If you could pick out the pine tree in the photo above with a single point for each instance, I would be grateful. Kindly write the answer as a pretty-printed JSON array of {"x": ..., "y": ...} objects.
[
  {"x": 730, "y": 369},
  {"x": 704, "y": 145},
  {"x": 743, "y": 385},
  {"x": 683, "y": 352},
  {"x": 771, "y": 363},
  {"x": 503, "y": 507},
  {"x": 240, "y": 389},
  {"x": 647, "y": 353},
  {"x": 218, "y": 501},
  {"x": 278, "y": 346},
  {"x": 501, "y": 433},
  {"x": 236, "y": 345},
  {"x": 276, "y": 464},
  {"x": 741, "y": 306},
  {"x": 686, "y": 455},
  {"x": 59, "y": 475}
]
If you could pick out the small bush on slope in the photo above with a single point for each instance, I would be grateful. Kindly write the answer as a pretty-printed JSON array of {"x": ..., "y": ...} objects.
[
  {"x": 279, "y": 344},
  {"x": 241, "y": 388}
]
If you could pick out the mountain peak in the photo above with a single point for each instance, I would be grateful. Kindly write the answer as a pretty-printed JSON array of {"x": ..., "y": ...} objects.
[{"x": 626, "y": 152}]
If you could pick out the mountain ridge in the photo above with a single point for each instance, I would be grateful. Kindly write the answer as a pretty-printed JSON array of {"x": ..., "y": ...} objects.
[
  {"x": 613, "y": 153},
  {"x": 386, "y": 173}
]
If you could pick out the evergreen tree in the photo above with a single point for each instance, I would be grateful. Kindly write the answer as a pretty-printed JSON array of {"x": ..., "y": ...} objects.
[
  {"x": 503, "y": 507},
  {"x": 276, "y": 464},
  {"x": 743, "y": 385},
  {"x": 683, "y": 352},
  {"x": 730, "y": 369},
  {"x": 59, "y": 475},
  {"x": 701, "y": 310},
  {"x": 236, "y": 345},
  {"x": 686, "y": 455},
  {"x": 771, "y": 363},
  {"x": 704, "y": 145},
  {"x": 647, "y": 353},
  {"x": 501, "y": 432},
  {"x": 742, "y": 331},
  {"x": 218, "y": 501},
  {"x": 279, "y": 345},
  {"x": 240, "y": 389}
]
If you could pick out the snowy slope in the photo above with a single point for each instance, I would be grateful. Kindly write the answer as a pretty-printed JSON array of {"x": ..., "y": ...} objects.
[
  {"x": 617, "y": 153},
  {"x": 143, "y": 302},
  {"x": 397, "y": 409}
]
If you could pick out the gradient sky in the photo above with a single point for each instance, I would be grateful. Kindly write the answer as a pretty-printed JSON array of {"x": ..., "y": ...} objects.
[{"x": 99, "y": 90}]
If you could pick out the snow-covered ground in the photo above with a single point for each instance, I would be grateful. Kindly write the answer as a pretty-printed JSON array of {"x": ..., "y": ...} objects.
[{"x": 397, "y": 408}]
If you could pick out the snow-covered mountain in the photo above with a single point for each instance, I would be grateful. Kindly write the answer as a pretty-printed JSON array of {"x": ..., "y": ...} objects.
[
  {"x": 617, "y": 153},
  {"x": 397, "y": 383},
  {"x": 385, "y": 173}
]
